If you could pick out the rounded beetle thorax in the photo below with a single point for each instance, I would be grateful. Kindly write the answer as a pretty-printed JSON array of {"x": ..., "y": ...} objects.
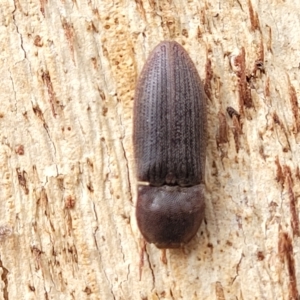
[{"x": 169, "y": 216}]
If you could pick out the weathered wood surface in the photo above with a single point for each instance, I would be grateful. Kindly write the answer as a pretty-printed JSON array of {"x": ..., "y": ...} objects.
[{"x": 67, "y": 183}]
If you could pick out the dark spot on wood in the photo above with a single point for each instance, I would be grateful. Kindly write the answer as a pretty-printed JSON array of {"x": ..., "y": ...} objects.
[
  {"x": 31, "y": 288},
  {"x": 199, "y": 33},
  {"x": 22, "y": 175},
  {"x": 286, "y": 254},
  {"x": 185, "y": 33},
  {"x": 210, "y": 245},
  {"x": 208, "y": 78},
  {"x": 253, "y": 17},
  {"x": 70, "y": 202},
  {"x": 52, "y": 98},
  {"x": 90, "y": 163},
  {"x": 260, "y": 255},
  {"x": 232, "y": 112},
  {"x": 228, "y": 243},
  {"x": 262, "y": 152},
  {"x": 295, "y": 106},
  {"x": 38, "y": 41},
  {"x": 19, "y": 149},
  {"x": 141, "y": 9},
  {"x": 269, "y": 40},
  {"x": 90, "y": 187},
  {"x": 279, "y": 173},
  {"x": 236, "y": 126},
  {"x": 95, "y": 63},
  {"x": 104, "y": 111},
  {"x": 222, "y": 133},
  {"x": 69, "y": 34},
  {"x": 4, "y": 277},
  {"x": 102, "y": 94},
  {"x": 88, "y": 291},
  {"x": 219, "y": 291},
  {"x": 42, "y": 7},
  {"x": 92, "y": 28},
  {"x": 292, "y": 198},
  {"x": 267, "y": 87},
  {"x": 297, "y": 175},
  {"x": 245, "y": 98}
]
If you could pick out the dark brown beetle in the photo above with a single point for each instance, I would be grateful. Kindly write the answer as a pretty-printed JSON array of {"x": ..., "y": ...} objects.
[{"x": 169, "y": 147}]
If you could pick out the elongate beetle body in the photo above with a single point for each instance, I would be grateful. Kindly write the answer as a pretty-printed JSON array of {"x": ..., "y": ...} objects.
[{"x": 169, "y": 147}]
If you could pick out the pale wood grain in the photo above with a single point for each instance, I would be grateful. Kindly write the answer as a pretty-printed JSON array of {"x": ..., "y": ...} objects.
[{"x": 67, "y": 187}]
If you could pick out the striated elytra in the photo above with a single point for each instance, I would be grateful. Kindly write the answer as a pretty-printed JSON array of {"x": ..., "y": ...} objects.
[{"x": 169, "y": 147}]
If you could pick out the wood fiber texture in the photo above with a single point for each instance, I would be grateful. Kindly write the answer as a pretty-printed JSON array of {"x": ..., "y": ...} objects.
[
  {"x": 68, "y": 71},
  {"x": 170, "y": 119}
]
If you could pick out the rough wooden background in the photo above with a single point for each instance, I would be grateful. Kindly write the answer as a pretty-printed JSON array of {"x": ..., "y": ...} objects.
[{"x": 67, "y": 184}]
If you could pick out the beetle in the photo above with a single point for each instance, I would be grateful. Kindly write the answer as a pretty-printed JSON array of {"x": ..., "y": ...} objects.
[{"x": 169, "y": 139}]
